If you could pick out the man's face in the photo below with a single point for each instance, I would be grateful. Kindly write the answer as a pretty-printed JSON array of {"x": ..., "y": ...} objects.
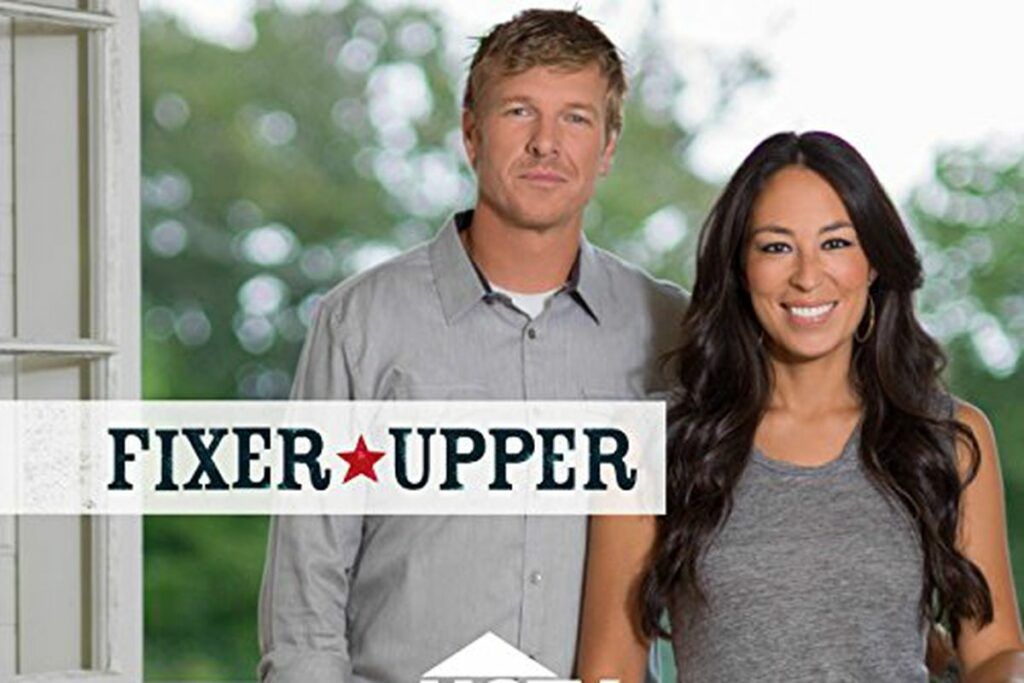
[{"x": 537, "y": 142}]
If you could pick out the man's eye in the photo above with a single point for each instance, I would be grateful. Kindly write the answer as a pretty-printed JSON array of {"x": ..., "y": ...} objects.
[
  {"x": 774, "y": 248},
  {"x": 517, "y": 111},
  {"x": 578, "y": 118},
  {"x": 836, "y": 243}
]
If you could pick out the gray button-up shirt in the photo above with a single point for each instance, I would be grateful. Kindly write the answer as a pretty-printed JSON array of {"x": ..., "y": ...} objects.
[{"x": 382, "y": 599}]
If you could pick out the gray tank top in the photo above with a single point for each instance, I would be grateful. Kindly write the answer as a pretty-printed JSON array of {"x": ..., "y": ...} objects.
[{"x": 815, "y": 576}]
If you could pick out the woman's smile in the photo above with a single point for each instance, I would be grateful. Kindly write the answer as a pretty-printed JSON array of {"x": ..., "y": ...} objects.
[{"x": 809, "y": 314}]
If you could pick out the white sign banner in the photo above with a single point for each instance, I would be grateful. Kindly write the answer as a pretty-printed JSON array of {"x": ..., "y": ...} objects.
[{"x": 332, "y": 457}]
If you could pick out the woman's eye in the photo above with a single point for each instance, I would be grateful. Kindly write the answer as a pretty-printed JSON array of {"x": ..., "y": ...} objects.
[
  {"x": 836, "y": 243},
  {"x": 774, "y": 248}
]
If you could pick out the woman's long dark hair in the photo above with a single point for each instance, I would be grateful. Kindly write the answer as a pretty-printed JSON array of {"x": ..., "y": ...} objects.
[{"x": 725, "y": 384}]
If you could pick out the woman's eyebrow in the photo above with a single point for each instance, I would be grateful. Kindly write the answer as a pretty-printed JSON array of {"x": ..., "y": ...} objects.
[
  {"x": 837, "y": 225},
  {"x": 778, "y": 229}
]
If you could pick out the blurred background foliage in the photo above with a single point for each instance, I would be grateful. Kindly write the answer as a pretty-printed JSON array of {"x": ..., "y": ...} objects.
[{"x": 270, "y": 173}]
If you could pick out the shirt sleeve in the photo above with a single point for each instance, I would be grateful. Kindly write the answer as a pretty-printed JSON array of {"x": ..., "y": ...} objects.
[{"x": 310, "y": 558}]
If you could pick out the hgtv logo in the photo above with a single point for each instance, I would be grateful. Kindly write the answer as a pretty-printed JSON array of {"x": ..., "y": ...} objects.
[{"x": 489, "y": 659}]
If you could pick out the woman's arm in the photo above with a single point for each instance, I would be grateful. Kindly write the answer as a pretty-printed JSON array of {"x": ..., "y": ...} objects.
[
  {"x": 994, "y": 653},
  {"x": 612, "y": 644}
]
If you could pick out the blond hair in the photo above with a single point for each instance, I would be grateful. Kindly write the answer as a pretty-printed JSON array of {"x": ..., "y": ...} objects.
[{"x": 554, "y": 38}]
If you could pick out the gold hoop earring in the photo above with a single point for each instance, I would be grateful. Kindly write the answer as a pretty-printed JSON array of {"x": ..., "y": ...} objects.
[{"x": 871, "y": 322}]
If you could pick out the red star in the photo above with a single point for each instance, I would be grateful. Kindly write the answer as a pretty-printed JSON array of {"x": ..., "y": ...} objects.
[{"x": 360, "y": 461}]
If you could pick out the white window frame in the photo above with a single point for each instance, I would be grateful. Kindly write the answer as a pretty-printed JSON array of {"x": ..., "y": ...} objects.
[{"x": 114, "y": 344}]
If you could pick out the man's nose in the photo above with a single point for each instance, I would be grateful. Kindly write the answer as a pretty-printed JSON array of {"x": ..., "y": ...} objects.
[{"x": 543, "y": 140}]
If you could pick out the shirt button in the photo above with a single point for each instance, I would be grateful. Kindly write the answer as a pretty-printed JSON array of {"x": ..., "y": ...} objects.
[
  {"x": 531, "y": 333},
  {"x": 536, "y": 578}
]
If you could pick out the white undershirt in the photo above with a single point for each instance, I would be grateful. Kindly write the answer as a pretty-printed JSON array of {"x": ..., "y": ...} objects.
[{"x": 530, "y": 304}]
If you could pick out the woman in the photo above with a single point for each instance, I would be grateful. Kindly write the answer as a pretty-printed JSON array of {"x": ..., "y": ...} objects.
[{"x": 828, "y": 502}]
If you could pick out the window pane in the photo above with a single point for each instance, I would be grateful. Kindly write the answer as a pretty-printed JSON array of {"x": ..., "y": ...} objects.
[
  {"x": 51, "y": 182},
  {"x": 6, "y": 209},
  {"x": 52, "y": 594},
  {"x": 7, "y": 599}
]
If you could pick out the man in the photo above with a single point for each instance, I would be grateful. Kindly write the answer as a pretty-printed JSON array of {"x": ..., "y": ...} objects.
[{"x": 507, "y": 302}]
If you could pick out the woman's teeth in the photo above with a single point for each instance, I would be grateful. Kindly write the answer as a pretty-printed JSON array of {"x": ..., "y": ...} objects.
[{"x": 811, "y": 311}]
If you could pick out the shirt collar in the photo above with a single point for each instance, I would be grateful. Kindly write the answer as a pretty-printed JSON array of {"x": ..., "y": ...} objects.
[
  {"x": 460, "y": 283},
  {"x": 588, "y": 284}
]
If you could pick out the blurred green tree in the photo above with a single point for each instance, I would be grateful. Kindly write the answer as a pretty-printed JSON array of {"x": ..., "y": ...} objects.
[
  {"x": 969, "y": 216},
  {"x": 271, "y": 173}
]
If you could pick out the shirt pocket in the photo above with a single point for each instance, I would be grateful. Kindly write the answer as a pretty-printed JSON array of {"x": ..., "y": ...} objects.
[
  {"x": 412, "y": 389},
  {"x": 605, "y": 392}
]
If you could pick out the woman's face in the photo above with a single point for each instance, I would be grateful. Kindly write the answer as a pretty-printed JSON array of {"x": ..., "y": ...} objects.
[{"x": 807, "y": 275}]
